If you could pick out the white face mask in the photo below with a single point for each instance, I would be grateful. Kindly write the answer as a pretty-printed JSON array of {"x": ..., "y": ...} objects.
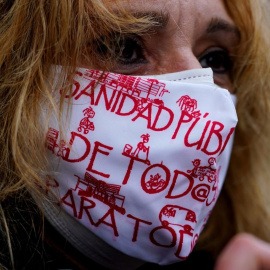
[{"x": 144, "y": 158}]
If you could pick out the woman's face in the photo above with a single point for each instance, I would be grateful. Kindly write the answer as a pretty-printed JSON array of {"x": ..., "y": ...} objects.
[{"x": 190, "y": 34}]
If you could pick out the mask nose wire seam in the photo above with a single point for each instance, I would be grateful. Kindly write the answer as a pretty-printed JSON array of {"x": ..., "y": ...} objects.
[{"x": 191, "y": 77}]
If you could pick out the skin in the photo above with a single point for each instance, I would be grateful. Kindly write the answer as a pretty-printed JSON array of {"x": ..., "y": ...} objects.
[
  {"x": 184, "y": 39},
  {"x": 191, "y": 34},
  {"x": 244, "y": 251}
]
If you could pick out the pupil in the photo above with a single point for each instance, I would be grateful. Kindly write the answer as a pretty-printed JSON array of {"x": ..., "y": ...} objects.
[
  {"x": 215, "y": 61},
  {"x": 127, "y": 52},
  {"x": 219, "y": 61}
]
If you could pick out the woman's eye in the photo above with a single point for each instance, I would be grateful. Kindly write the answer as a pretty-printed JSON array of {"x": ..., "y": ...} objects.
[
  {"x": 122, "y": 54},
  {"x": 218, "y": 60},
  {"x": 131, "y": 52}
]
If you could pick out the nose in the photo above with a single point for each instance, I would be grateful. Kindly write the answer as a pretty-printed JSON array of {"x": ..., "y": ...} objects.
[{"x": 176, "y": 60}]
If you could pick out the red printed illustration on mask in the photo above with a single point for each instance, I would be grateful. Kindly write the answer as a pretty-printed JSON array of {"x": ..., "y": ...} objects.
[
  {"x": 141, "y": 147},
  {"x": 155, "y": 178},
  {"x": 142, "y": 91},
  {"x": 50, "y": 183},
  {"x": 100, "y": 190},
  {"x": 86, "y": 124},
  {"x": 155, "y": 184},
  {"x": 203, "y": 172},
  {"x": 202, "y": 192},
  {"x": 61, "y": 148},
  {"x": 177, "y": 215},
  {"x": 51, "y": 139},
  {"x": 189, "y": 105},
  {"x": 141, "y": 152},
  {"x": 135, "y": 86},
  {"x": 171, "y": 216}
]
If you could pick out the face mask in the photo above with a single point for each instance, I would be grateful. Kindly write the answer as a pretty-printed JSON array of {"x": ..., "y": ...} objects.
[{"x": 143, "y": 159}]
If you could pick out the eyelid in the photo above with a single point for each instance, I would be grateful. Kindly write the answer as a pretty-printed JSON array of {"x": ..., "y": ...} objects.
[
  {"x": 135, "y": 37},
  {"x": 138, "y": 42},
  {"x": 139, "y": 64},
  {"x": 213, "y": 49},
  {"x": 223, "y": 58}
]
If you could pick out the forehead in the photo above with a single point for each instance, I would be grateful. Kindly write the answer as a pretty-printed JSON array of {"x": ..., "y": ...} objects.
[{"x": 181, "y": 12}]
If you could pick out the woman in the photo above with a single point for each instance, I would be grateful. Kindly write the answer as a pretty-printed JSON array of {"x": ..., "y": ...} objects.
[{"x": 141, "y": 38}]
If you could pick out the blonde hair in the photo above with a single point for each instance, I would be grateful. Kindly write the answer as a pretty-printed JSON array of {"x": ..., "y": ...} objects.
[{"x": 36, "y": 34}]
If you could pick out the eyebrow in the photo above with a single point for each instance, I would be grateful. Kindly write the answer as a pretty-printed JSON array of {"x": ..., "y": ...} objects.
[
  {"x": 217, "y": 25},
  {"x": 159, "y": 19}
]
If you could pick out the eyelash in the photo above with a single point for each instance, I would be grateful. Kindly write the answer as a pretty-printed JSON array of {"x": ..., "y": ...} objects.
[
  {"x": 217, "y": 59},
  {"x": 130, "y": 52},
  {"x": 127, "y": 57}
]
